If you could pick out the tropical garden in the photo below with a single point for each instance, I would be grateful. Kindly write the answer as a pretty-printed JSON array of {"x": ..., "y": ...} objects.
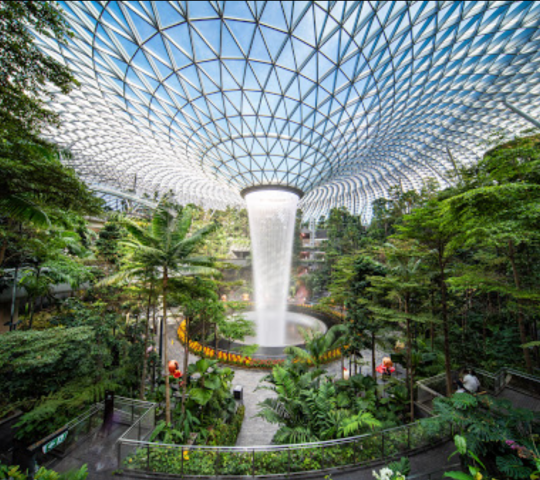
[{"x": 441, "y": 278}]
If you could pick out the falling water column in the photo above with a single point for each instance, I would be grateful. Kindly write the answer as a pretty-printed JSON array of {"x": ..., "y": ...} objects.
[{"x": 272, "y": 214}]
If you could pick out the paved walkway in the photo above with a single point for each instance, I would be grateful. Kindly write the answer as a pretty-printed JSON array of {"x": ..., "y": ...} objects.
[
  {"x": 97, "y": 452},
  {"x": 520, "y": 400},
  {"x": 255, "y": 430}
]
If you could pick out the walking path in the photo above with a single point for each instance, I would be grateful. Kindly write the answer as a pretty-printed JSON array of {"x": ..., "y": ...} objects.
[
  {"x": 520, "y": 399},
  {"x": 255, "y": 430},
  {"x": 97, "y": 452}
]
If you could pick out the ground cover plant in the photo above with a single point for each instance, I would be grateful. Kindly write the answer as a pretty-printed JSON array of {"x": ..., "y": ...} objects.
[
  {"x": 494, "y": 438},
  {"x": 360, "y": 450},
  {"x": 14, "y": 473}
]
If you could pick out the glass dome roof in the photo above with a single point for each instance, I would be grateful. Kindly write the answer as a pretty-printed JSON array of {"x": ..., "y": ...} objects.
[{"x": 339, "y": 99}]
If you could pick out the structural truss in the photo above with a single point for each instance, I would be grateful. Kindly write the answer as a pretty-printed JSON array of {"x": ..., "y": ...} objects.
[{"x": 339, "y": 99}]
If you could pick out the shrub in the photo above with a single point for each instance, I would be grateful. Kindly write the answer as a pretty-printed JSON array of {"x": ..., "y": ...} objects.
[{"x": 226, "y": 434}]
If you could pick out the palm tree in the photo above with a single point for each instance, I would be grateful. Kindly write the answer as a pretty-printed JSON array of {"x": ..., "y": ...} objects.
[
  {"x": 316, "y": 346},
  {"x": 167, "y": 246}
]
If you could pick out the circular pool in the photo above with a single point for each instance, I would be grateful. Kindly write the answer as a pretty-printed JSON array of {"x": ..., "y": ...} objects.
[{"x": 295, "y": 324}]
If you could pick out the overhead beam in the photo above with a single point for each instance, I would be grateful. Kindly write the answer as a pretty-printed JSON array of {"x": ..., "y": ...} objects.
[
  {"x": 127, "y": 196},
  {"x": 522, "y": 114}
]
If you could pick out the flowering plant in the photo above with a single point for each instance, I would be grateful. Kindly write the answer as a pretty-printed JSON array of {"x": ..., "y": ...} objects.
[
  {"x": 242, "y": 360},
  {"x": 388, "y": 474}
]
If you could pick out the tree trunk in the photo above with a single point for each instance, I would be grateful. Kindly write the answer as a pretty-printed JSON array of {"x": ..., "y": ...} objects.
[
  {"x": 204, "y": 331},
  {"x": 33, "y": 302},
  {"x": 373, "y": 366},
  {"x": 147, "y": 331},
  {"x": 521, "y": 323},
  {"x": 410, "y": 376},
  {"x": 3, "y": 248},
  {"x": 444, "y": 314},
  {"x": 31, "y": 312},
  {"x": 186, "y": 363},
  {"x": 165, "y": 356},
  {"x": 432, "y": 324},
  {"x": 154, "y": 323}
]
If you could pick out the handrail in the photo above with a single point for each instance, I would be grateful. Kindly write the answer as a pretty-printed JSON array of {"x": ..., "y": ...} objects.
[
  {"x": 83, "y": 417},
  {"x": 234, "y": 461},
  {"x": 136, "y": 424},
  {"x": 323, "y": 443}
]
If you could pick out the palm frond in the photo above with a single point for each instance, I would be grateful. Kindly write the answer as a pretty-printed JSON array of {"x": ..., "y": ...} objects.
[
  {"x": 24, "y": 210},
  {"x": 144, "y": 251},
  {"x": 189, "y": 270},
  {"x": 123, "y": 276},
  {"x": 161, "y": 224},
  {"x": 287, "y": 435},
  {"x": 298, "y": 353},
  {"x": 140, "y": 234},
  {"x": 182, "y": 226}
]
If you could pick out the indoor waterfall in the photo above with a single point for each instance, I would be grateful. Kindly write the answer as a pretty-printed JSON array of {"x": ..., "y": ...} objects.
[{"x": 272, "y": 214}]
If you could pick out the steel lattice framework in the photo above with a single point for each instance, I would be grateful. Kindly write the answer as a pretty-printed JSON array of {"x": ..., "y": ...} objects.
[{"x": 339, "y": 99}]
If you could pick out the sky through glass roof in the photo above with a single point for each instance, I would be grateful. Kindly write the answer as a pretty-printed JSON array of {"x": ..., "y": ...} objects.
[{"x": 339, "y": 99}]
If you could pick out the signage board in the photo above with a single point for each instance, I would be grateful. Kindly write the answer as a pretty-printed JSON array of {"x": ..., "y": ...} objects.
[{"x": 54, "y": 442}]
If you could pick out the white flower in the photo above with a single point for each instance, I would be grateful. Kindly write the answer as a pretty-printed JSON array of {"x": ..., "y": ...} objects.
[{"x": 385, "y": 474}]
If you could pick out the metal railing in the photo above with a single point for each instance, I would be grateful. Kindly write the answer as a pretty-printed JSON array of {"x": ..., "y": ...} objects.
[
  {"x": 527, "y": 383},
  {"x": 493, "y": 383},
  {"x": 277, "y": 460},
  {"x": 140, "y": 431},
  {"x": 127, "y": 411}
]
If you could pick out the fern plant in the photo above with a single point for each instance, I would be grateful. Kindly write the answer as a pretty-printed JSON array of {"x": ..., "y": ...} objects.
[
  {"x": 493, "y": 436},
  {"x": 14, "y": 473},
  {"x": 309, "y": 408}
]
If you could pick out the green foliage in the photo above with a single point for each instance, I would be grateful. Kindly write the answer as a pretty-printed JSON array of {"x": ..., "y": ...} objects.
[
  {"x": 56, "y": 356},
  {"x": 316, "y": 346},
  {"x": 57, "y": 409},
  {"x": 167, "y": 434},
  {"x": 486, "y": 425},
  {"x": 513, "y": 467},
  {"x": 168, "y": 242},
  {"x": 25, "y": 70},
  {"x": 14, "y": 473},
  {"x": 345, "y": 233},
  {"x": 308, "y": 409},
  {"x": 234, "y": 231},
  {"x": 236, "y": 328},
  {"x": 403, "y": 466},
  {"x": 85, "y": 349},
  {"x": 107, "y": 244},
  {"x": 209, "y": 395},
  {"x": 280, "y": 462},
  {"x": 34, "y": 183},
  {"x": 227, "y": 433}
]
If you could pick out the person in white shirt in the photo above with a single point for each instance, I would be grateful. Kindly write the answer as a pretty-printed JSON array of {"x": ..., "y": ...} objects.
[{"x": 471, "y": 382}]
